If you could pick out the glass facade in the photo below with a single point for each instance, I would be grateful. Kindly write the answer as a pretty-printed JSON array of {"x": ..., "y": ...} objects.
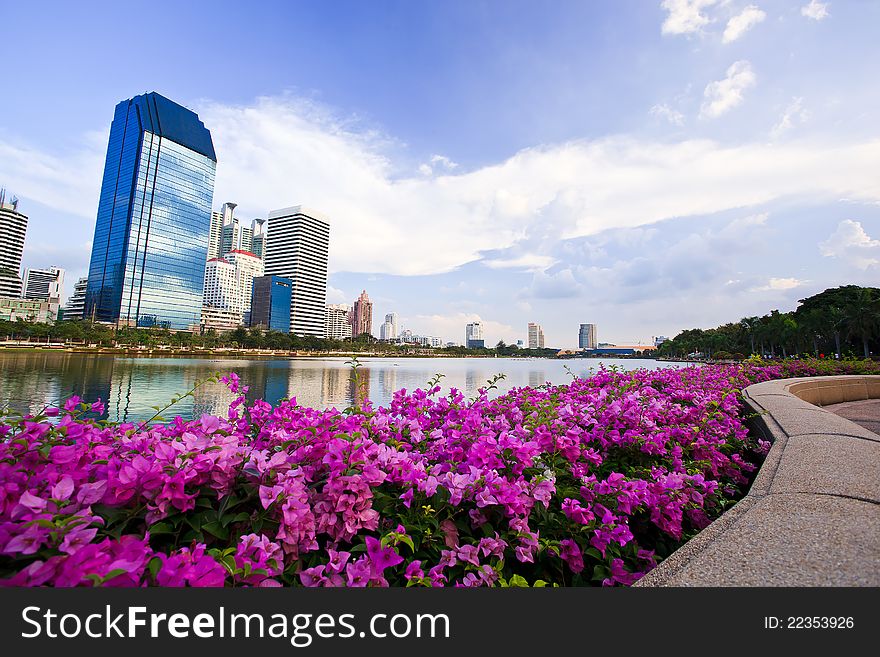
[
  {"x": 154, "y": 215},
  {"x": 270, "y": 305}
]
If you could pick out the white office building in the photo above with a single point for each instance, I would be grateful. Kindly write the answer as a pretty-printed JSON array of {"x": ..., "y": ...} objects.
[
  {"x": 229, "y": 282},
  {"x": 13, "y": 227},
  {"x": 536, "y": 336},
  {"x": 337, "y": 324},
  {"x": 473, "y": 335},
  {"x": 388, "y": 330},
  {"x": 43, "y": 284},
  {"x": 297, "y": 247}
]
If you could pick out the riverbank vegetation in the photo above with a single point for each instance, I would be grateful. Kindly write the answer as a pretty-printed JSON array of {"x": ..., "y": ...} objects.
[
  {"x": 590, "y": 483},
  {"x": 83, "y": 334},
  {"x": 843, "y": 321}
]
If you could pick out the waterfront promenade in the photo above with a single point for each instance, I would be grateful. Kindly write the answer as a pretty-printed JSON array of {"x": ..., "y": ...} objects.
[{"x": 812, "y": 516}]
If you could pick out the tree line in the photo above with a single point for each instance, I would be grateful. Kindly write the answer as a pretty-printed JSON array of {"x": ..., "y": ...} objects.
[
  {"x": 839, "y": 321},
  {"x": 93, "y": 333}
]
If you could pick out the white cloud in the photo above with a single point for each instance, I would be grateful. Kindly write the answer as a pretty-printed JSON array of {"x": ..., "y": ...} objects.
[
  {"x": 335, "y": 295},
  {"x": 815, "y": 10},
  {"x": 276, "y": 152},
  {"x": 722, "y": 96},
  {"x": 685, "y": 16},
  {"x": 794, "y": 113},
  {"x": 780, "y": 284},
  {"x": 850, "y": 242},
  {"x": 742, "y": 23},
  {"x": 528, "y": 261},
  {"x": 664, "y": 111},
  {"x": 437, "y": 161}
]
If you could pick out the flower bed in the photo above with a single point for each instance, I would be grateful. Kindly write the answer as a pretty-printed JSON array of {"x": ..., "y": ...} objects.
[{"x": 588, "y": 483}]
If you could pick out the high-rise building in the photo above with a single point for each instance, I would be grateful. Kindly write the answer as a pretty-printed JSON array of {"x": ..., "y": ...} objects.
[
  {"x": 388, "y": 330},
  {"x": 473, "y": 336},
  {"x": 258, "y": 237},
  {"x": 154, "y": 217},
  {"x": 13, "y": 227},
  {"x": 296, "y": 247},
  {"x": 587, "y": 337},
  {"x": 270, "y": 307},
  {"x": 536, "y": 336},
  {"x": 362, "y": 315},
  {"x": 77, "y": 302},
  {"x": 229, "y": 281},
  {"x": 43, "y": 284},
  {"x": 336, "y": 324},
  {"x": 215, "y": 233},
  {"x": 228, "y": 233}
]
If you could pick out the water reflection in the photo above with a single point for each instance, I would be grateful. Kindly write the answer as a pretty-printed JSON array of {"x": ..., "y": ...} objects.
[{"x": 131, "y": 387}]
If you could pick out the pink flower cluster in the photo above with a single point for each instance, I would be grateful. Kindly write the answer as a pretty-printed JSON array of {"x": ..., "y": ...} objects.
[{"x": 587, "y": 483}]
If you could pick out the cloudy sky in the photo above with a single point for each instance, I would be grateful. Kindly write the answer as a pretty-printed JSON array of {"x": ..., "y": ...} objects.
[{"x": 646, "y": 166}]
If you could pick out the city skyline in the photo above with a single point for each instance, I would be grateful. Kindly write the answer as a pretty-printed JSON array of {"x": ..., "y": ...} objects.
[{"x": 670, "y": 179}]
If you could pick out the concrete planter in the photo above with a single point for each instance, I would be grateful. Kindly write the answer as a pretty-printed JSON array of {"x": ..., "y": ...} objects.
[{"x": 812, "y": 516}]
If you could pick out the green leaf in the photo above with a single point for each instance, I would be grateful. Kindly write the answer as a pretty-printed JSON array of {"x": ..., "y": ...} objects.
[
  {"x": 116, "y": 572},
  {"x": 155, "y": 565},
  {"x": 216, "y": 529},
  {"x": 518, "y": 581},
  {"x": 160, "y": 528}
]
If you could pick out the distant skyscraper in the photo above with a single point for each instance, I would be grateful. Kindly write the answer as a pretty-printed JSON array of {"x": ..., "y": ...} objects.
[
  {"x": 270, "y": 306},
  {"x": 388, "y": 330},
  {"x": 43, "y": 284},
  {"x": 13, "y": 227},
  {"x": 473, "y": 336},
  {"x": 536, "y": 336},
  {"x": 296, "y": 247},
  {"x": 77, "y": 302},
  {"x": 154, "y": 217},
  {"x": 587, "y": 337},
  {"x": 337, "y": 325},
  {"x": 362, "y": 315}
]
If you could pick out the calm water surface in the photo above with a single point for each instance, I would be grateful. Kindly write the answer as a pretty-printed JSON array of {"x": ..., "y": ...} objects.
[{"x": 132, "y": 386}]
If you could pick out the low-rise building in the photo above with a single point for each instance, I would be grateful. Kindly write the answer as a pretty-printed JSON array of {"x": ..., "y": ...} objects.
[{"x": 28, "y": 310}]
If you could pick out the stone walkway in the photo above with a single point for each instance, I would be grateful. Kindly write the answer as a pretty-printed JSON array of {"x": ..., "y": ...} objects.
[
  {"x": 865, "y": 413},
  {"x": 812, "y": 515}
]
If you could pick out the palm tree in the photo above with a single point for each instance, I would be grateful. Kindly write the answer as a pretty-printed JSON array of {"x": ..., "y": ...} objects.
[
  {"x": 751, "y": 325},
  {"x": 862, "y": 318}
]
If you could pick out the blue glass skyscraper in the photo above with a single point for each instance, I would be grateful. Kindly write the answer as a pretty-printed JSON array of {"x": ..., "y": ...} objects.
[
  {"x": 270, "y": 303},
  {"x": 154, "y": 215}
]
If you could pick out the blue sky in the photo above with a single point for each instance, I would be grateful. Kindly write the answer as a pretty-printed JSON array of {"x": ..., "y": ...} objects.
[{"x": 645, "y": 166}]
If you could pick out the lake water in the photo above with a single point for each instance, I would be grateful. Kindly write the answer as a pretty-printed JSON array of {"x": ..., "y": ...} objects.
[{"x": 131, "y": 386}]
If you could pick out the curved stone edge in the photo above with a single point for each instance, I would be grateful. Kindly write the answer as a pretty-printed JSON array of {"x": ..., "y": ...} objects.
[{"x": 778, "y": 413}]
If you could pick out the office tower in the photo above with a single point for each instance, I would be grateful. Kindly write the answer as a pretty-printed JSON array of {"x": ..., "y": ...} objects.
[
  {"x": 13, "y": 227},
  {"x": 77, "y": 302},
  {"x": 258, "y": 237},
  {"x": 270, "y": 306},
  {"x": 43, "y": 284},
  {"x": 587, "y": 337},
  {"x": 536, "y": 336},
  {"x": 229, "y": 281},
  {"x": 362, "y": 315},
  {"x": 214, "y": 235},
  {"x": 154, "y": 217},
  {"x": 296, "y": 247},
  {"x": 337, "y": 325},
  {"x": 473, "y": 336},
  {"x": 388, "y": 330}
]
